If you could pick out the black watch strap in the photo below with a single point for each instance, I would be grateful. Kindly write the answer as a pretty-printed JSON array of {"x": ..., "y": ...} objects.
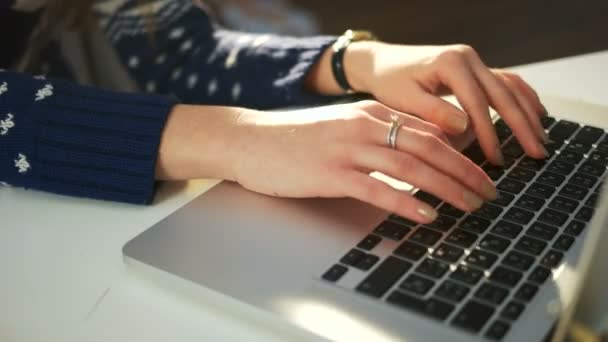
[
  {"x": 337, "y": 67},
  {"x": 337, "y": 59}
]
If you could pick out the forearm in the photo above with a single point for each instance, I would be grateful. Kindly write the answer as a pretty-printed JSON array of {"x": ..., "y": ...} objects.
[{"x": 198, "y": 142}]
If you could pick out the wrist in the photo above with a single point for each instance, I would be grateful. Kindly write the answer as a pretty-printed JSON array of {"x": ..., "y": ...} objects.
[
  {"x": 198, "y": 142},
  {"x": 358, "y": 65}
]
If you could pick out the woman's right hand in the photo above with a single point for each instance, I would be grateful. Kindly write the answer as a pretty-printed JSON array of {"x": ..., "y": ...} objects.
[{"x": 331, "y": 151}]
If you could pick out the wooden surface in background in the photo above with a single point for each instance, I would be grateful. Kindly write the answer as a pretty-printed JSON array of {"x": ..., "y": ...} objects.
[{"x": 503, "y": 32}]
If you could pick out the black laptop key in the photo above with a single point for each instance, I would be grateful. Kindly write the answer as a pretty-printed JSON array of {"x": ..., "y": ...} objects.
[
  {"x": 442, "y": 222},
  {"x": 511, "y": 185},
  {"x": 335, "y": 272},
  {"x": 563, "y": 242},
  {"x": 592, "y": 200},
  {"x": 539, "y": 275},
  {"x": 417, "y": 284},
  {"x": 488, "y": 211},
  {"x": 427, "y": 198},
  {"x": 530, "y": 245},
  {"x": 402, "y": 220},
  {"x": 552, "y": 258},
  {"x": 503, "y": 131},
  {"x": 532, "y": 164},
  {"x": 432, "y": 307},
  {"x": 560, "y": 167},
  {"x": 452, "y": 291},
  {"x": 466, "y": 274},
  {"x": 583, "y": 180},
  {"x": 570, "y": 157},
  {"x": 461, "y": 238},
  {"x": 518, "y": 215},
  {"x": 512, "y": 310},
  {"x": 507, "y": 229},
  {"x": 551, "y": 178},
  {"x": 475, "y": 153},
  {"x": 448, "y": 253},
  {"x": 526, "y": 292},
  {"x": 494, "y": 243},
  {"x": 592, "y": 168},
  {"x": 564, "y": 204},
  {"x": 540, "y": 190},
  {"x": 491, "y": 293},
  {"x": 505, "y": 276},
  {"x": 553, "y": 145},
  {"x": 530, "y": 202},
  {"x": 512, "y": 149},
  {"x": 352, "y": 257},
  {"x": 574, "y": 227},
  {"x": 584, "y": 214},
  {"x": 578, "y": 146},
  {"x": 563, "y": 129},
  {"x": 542, "y": 231},
  {"x": 547, "y": 121},
  {"x": 473, "y": 316},
  {"x": 494, "y": 172},
  {"x": 425, "y": 236},
  {"x": 573, "y": 191},
  {"x": 383, "y": 276},
  {"x": 432, "y": 268},
  {"x": 475, "y": 224},
  {"x": 481, "y": 259},
  {"x": 392, "y": 230},
  {"x": 589, "y": 134},
  {"x": 503, "y": 199},
  {"x": 369, "y": 242},
  {"x": 411, "y": 250},
  {"x": 367, "y": 262},
  {"x": 518, "y": 260},
  {"x": 497, "y": 330},
  {"x": 598, "y": 157},
  {"x": 554, "y": 217},
  {"x": 450, "y": 210}
]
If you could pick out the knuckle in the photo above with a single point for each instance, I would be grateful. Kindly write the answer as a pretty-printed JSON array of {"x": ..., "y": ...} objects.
[
  {"x": 369, "y": 104},
  {"x": 406, "y": 162},
  {"x": 451, "y": 57},
  {"x": 429, "y": 142}
]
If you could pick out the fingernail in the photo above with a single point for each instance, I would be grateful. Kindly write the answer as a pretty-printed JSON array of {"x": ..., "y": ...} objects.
[
  {"x": 500, "y": 159},
  {"x": 430, "y": 214},
  {"x": 545, "y": 151},
  {"x": 472, "y": 200},
  {"x": 489, "y": 191},
  {"x": 544, "y": 136},
  {"x": 458, "y": 122}
]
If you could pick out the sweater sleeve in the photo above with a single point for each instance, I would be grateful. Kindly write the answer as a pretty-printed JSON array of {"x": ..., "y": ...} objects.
[
  {"x": 175, "y": 47},
  {"x": 60, "y": 137}
]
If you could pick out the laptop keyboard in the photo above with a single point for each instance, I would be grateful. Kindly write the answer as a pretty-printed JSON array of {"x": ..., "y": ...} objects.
[{"x": 478, "y": 271}]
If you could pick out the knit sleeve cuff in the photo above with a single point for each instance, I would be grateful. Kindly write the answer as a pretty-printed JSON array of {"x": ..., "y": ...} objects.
[{"x": 82, "y": 141}]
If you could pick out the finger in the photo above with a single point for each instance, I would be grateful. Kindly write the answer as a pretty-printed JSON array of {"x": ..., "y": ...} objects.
[
  {"x": 438, "y": 111},
  {"x": 458, "y": 76},
  {"x": 505, "y": 104},
  {"x": 384, "y": 113},
  {"x": 526, "y": 105},
  {"x": 528, "y": 91},
  {"x": 370, "y": 190},
  {"x": 414, "y": 171},
  {"x": 442, "y": 157}
]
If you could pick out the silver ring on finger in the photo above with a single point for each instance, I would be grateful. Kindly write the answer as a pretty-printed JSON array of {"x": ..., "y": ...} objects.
[{"x": 393, "y": 131}]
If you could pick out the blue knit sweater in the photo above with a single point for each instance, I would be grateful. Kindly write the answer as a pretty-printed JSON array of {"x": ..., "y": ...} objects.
[{"x": 70, "y": 139}]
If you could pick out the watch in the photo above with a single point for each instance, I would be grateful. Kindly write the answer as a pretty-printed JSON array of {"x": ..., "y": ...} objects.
[{"x": 337, "y": 59}]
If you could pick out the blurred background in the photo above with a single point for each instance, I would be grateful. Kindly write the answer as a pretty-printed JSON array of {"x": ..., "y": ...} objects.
[{"x": 505, "y": 33}]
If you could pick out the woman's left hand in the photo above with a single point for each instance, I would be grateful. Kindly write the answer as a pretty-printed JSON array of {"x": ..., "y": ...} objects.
[{"x": 411, "y": 79}]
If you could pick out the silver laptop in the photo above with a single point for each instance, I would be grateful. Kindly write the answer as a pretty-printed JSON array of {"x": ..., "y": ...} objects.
[{"x": 343, "y": 270}]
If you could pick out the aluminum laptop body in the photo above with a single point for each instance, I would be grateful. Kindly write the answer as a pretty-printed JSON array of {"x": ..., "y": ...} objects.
[{"x": 270, "y": 254}]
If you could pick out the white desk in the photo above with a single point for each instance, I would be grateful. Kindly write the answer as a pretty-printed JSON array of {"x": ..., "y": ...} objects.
[{"x": 63, "y": 278}]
